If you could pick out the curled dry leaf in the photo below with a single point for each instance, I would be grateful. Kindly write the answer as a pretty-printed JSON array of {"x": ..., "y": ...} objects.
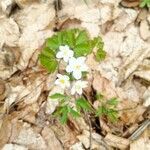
[
  {"x": 117, "y": 142},
  {"x": 9, "y": 32},
  {"x": 130, "y": 3}
]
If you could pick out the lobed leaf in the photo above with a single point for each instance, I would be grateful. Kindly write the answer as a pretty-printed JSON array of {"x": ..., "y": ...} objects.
[
  {"x": 112, "y": 101},
  {"x": 57, "y": 96},
  {"x": 82, "y": 103}
]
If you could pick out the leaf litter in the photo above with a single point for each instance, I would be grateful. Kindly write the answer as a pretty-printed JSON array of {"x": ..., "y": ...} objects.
[{"x": 25, "y": 86}]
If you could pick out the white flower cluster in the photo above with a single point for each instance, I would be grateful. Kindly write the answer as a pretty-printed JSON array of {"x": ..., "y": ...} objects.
[{"x": 76, "y": 66}]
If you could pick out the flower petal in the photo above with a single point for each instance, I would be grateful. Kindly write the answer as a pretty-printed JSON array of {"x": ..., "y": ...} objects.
[
  {"x": 79, "y": 91},
  {"x": 77, "y": 75},
  {"x": 66, "y": 58},
  {"x": 69, "y": 68},
  {"x": 59, "y": 55},
  {"x": 81, "y": 59},
  {"x": 84, "y": 67}
]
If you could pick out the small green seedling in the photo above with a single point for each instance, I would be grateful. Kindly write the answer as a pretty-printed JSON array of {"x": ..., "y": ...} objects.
[
  {"x": 64, "y": 110},
  {"x": 107, "y": 108}
]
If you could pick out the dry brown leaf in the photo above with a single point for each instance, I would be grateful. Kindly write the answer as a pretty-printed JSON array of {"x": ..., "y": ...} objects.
[
  {"x": 14, "y": 147},
  {"x": 130, "y": 3},
  {"x": 142, "y": 144},
  {"x": 132, "y": 62},
  {"x": 132, "y": 115},
  {"x": 50, "y": 139},
  {"x": 7, "y": 6},
  {"x": 144, "y": 30},
  {"x": 96, "y": 142},
  {"x": 103, "y": 86},
  {"x": 5, "y": 131},
  {"x": 9, "y": 32},
  {"x": 29, "y": 138},
  {"x": 116, "y": 141}
]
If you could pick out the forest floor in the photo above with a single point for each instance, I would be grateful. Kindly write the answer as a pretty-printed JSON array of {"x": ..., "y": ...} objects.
[{"x": 26, "y": 120}]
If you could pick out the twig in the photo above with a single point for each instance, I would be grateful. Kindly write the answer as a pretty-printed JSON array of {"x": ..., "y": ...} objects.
[{"x": 140, "y": 130}]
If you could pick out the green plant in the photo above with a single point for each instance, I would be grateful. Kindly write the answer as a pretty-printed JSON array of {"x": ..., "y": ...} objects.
[
  {"x": 77, "y": 40},
  {"x": 145, "y": 3},
  {"x": 65, "y": 110},
  {"x": 71, "y": 46},
  {"x": 107, "y": 108}
]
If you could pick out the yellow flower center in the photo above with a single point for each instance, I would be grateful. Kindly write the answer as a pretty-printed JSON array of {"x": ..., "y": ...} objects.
[
  {"x": 77, "y": 67},
  {"x": 62, "y": 81}
]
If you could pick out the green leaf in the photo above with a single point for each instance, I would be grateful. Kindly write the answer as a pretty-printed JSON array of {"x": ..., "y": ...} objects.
[
  {"x": 82, "y": 103},
  {"x": 100, "y": 55},
  {"x": 48, "y": 52},
  {"x": 101, "y": 111},
  {"x": 112, "y": 115},
  {"x": 74, "y": 113},
  {"x": 145, "y": 3},
  {"x": 57, "y": 96},
  {"x": 82, "y": 37},
  {"x": 99, "y": 96},
  {"x": 69, "y": 38},
  {"x": 82, "y": 49},
  {"x": 84, "y": 74},
  {"x": 112, "y": 101},
  {"x": 53, "y": 42},
  {"x": 48, "y": 61},
  {"x": 64, "y": 115},
  {"x": 99, "y": 45}
]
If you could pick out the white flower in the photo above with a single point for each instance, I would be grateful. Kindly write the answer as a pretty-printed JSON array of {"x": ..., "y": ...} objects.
[
  {"x": 78, "y": 86},
  {"x": 62, "y": 81},
  {"x": 77, "y": 66},
  {"x": 65, "y": 53}
]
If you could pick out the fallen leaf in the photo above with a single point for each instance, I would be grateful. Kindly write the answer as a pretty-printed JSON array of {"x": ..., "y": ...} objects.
[
  {"x": 117, "y": 142},
  {"x": 142, "y": 144},
  {"x": 14, "y": 147},
  {"x": 50, "y": 139}
]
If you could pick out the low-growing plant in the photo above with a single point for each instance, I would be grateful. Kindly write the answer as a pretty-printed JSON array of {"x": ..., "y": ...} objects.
[
  {"x": 72, "y": 47},
  {"x": 145, "y": 3},
  {"x": 107, "y": 108}
]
